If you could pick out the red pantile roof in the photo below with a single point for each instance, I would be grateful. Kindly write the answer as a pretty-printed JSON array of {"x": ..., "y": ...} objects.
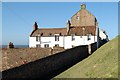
[
  {"x": 49, "y": 31},
  {"x": 77, "y": 30}
]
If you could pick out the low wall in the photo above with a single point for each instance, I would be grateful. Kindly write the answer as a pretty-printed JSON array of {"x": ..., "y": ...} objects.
[
  {"x": 93, "y": 47},
  {"x": 50, "y": 66},
  {"x": 57, "y": 50}
]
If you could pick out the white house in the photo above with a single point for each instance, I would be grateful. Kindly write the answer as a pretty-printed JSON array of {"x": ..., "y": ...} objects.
[{"x": 81, "y": 30}]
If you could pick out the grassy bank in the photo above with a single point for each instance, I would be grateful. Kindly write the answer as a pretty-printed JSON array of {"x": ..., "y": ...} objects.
[{"x": 103, "y": 63}]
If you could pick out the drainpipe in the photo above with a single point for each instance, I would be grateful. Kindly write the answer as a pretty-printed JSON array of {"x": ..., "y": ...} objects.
[
  {"x": 63, "y": 40},
  {"x": 39, "y": 37},
  {"x": 83, "y": 34},
  {"x": 97, "y": 33}
]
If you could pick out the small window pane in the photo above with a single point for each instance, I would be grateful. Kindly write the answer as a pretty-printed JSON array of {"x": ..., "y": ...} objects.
[{"x": 56, "y": 38}]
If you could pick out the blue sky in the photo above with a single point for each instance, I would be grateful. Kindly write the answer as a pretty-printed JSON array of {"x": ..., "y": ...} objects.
[{"x": 18, "y": 18}]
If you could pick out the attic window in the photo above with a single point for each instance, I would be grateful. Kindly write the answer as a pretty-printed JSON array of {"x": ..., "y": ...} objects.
[{"x": 77, "y": 17}]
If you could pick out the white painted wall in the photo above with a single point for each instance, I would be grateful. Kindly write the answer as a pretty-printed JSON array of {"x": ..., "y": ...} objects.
[
  {"x": 32, "y": 41},
  {"x": 103, "y": 35},
  {"x": 51, "y": 41},
  {"x": 78, "y": 41},
  {"x": 64, "y": 41}
]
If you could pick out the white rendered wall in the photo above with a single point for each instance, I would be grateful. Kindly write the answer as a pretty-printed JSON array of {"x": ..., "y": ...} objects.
[
  {"x": 64, "y": 41},
  {"x": 46, "y": 40},
  {"x": 51, "y": 41},
  {"x": 32, "y": 41},
  {"x": 78, "y": 41},
  {"x": 103, "y": 35}
]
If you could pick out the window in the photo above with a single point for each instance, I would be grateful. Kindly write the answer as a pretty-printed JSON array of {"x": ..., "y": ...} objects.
[
  {"x": 37, "y": 45},
  {"x": 77, "y": 17},
  {"x": 73, "y": 37},
  {"x": 37, "y": 38},
  {"x": 56, "y": 38},
  {"x": 88, "y": 37},
  {"x": 56, "y": 45},
  {"x": 46, "y": 46}
]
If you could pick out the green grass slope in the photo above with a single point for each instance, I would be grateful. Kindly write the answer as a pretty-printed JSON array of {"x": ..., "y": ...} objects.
[{"x": 103, "y": 63}]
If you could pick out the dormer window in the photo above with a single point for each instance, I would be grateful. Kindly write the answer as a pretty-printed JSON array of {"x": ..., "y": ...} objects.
[
  {"x": 77, "y": 17},
  {"x": 50, "y": 34}
]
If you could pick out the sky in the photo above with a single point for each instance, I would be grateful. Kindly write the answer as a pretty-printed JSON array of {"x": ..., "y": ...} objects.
[{"x": 18, "y": 17}]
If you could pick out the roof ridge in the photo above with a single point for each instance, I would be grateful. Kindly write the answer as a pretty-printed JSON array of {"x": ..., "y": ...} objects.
[{"x": 52, "y": 28}]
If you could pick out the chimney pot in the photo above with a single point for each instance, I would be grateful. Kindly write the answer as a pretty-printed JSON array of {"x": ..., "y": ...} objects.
[{"x": 83, "y": 6}]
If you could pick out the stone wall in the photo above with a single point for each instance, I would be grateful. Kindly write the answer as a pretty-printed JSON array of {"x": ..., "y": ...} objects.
[
  {"x": 93, "y": 47},
  {"x": 50, "y": 66},
  {"x": 57, "y": 50}
]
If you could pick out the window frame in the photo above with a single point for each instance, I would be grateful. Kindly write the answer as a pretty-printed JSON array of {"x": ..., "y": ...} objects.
[
  {"x": 46, "y": 45},
  {"x": 38, "y": 45},
  {"x": 56, "y": 37},
  {"x": 37, "y": 38}
]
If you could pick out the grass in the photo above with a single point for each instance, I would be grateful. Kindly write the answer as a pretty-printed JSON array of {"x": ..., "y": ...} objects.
[{"x": 103, "y": 63}]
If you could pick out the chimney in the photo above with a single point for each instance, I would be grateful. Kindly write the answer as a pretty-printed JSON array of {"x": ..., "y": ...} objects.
[
  {"x": 35, "y": 26},
  {"x": 83, "y": 6},
  {"x": 10, "y": 45},
  {"x": 68, "y": 25}
]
